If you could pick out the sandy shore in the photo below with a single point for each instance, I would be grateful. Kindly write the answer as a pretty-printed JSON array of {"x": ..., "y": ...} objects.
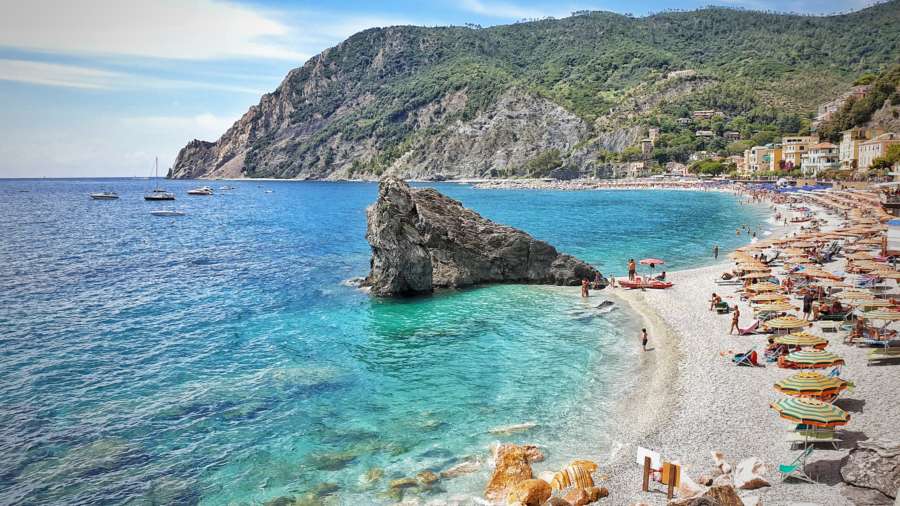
[{"x": 692, "y": 400}]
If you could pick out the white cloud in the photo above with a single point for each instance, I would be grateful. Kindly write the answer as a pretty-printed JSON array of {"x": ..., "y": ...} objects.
[
  {"x": 505, "y": 10},
  {"x": 75, "y": 76},
  {"x": 195, "y": 29}
]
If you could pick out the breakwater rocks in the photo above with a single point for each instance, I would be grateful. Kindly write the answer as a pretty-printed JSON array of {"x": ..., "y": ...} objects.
[{"x": 422, "y": 240}]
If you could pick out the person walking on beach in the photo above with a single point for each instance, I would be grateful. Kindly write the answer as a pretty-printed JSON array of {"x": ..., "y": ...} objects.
[
  {"x": 585, "y": 285},
  {"x": 734, "y": 320},
  {"x": 644, "y": 339},
  {"x": 632, "y": 269},
  {"x": 716, "y": 252},
  {"x": 807, "y": 305}
]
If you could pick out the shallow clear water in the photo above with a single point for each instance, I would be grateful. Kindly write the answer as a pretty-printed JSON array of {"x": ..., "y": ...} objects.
[{"x": 218, "y": 358}]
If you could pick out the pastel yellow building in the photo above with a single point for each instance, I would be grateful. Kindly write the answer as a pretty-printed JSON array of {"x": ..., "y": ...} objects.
[
  {"x": 760, "y": 159},
  {"x": 877, "y": 147},
  {"x": 794, "y": 147}
]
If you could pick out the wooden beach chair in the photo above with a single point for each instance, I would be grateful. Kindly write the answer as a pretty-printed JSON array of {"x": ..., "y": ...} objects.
[
  {"x": 796, "y": 469},
  {"x": 881, "y": 355}
]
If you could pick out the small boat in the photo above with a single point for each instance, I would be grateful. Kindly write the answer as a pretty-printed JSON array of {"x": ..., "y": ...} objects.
[
  {"x": 268, "y": 191},
  {"x": 158, "y": 193},
  {"x": 640, "y": 282},
  {"x": 104, "y": 196},
  {"x": 226, "y": 188},
  {"x": 203, "y": 190},
  {"x": 167, "y": 212}
]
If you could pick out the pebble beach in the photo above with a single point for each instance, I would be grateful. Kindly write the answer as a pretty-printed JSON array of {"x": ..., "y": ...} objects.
[{"x": 692, "y": 400}]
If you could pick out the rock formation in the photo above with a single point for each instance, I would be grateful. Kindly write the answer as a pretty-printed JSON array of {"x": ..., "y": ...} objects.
[
  {"x": 422, "y": 240},
  {"x": 511, "y": 467},
  {"x": 874, "y": 464}
]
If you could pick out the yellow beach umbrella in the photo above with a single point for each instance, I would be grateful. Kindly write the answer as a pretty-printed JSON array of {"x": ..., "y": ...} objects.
[
  {"x": 811, "y": 412},
  {"x": 768, "y": 297},
  {"x": 810, "y": 384},
  {"x": 812, "y": 359},
  {"x": 757, "y": 275},
  {"x": 875, "y": 303},
  {"x": 801, "y": 339},
  {"x": 775, "y": 307},
  {"x": 763, "y": 287},
  {"x": 787, "y": 323}
]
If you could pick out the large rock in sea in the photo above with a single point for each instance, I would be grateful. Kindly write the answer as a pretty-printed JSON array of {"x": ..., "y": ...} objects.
[
  {"x": 874, "y": 464},
  {"x": 422, "y": 240},
  {"x": 511, "y": 467}
]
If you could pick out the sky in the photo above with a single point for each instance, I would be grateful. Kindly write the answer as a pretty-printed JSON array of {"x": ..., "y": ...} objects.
[{"x": 97, "y": 88}]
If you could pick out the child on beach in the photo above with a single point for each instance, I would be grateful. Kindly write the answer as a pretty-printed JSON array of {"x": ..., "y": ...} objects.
[{"x": 644, "y": 339}]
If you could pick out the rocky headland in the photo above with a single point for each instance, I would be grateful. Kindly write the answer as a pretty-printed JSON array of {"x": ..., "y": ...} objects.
[{"x": 422, "y": 240}]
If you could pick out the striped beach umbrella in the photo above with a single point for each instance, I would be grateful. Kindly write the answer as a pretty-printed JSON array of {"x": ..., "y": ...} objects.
[
  {"x": 757, "y": 275},
  {"x": 775, "y": 307},
  {"x": 875, "y": 303},
  {"x": 763, "y": 287},
  {"x": 809, "y": 383},
  {"x": 801, "y": 339},
  {"x": 854, "y": 295},
  {"x": 768, "y": 297},
  {"x": 786, "y": 323},
  {"x": 811, "y": 412},
  {"x": 812, "y": 359},
  {"x": 890, "y": 316}
]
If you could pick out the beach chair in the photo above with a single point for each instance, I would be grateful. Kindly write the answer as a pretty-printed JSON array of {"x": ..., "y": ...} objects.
[
  {"x": 749, "y": 330},
  {"x": 796, "y": 468},
  {"x": 749, "y": 359},
  {"x": 723, "y": 308},
  {"x": 810, "y": 436},
  {"x": 880, "y": 355}
]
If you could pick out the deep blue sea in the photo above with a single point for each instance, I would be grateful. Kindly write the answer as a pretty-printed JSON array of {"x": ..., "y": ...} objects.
[{"x": 219, "y": 357}]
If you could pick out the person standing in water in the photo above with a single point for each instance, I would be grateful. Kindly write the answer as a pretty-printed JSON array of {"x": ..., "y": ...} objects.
[
  {"x": 716, "y": 252},
  {"x": 644, "y": 339},
  {"x": 585, "y": 285}
]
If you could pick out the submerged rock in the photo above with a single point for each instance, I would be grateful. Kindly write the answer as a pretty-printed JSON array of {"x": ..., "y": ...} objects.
[{"x": 422, "y": 240}]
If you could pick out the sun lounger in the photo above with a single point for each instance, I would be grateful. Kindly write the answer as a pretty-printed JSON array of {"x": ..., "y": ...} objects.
[
  {"x": 879, "y": 355},
  {"x": 749, "y": 330},
  {"x": 723, "y": 308},
  {"x": 796, "y": 468},
  {"x": 812, "y": 437}
]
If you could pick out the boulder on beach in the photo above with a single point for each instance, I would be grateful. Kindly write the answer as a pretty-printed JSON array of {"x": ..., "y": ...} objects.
[
  {"x": 874, "y": 464},
  {"x": 529, "y": 493},
  {"x": 422, "y": 240},
  {"x": 574, "y": 475},
  {"x": 749, "y": 474},
  {"x": 714, "y": 496},
  {"x": 511, "y": 467}
]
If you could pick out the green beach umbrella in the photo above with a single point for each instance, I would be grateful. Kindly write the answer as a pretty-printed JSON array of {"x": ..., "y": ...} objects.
[
  {"x": 809, "y": 383},
  {"x": 811, "y": 412},
  {"x": 812, "y": 359},
  {"x": 875, "y": 303},
  {"x": 786, "y": 322}
]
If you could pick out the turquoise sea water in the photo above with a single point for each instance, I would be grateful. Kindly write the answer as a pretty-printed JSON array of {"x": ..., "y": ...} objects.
[{"x": 218, "y": 358}]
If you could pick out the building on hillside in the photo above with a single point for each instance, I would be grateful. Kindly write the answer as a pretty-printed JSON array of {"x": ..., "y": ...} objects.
[
  {"x": 826, "y": 110},
  {"x": 697, "y": 156},
  {"x": 706, "y": 114},
  {"x": 653, "y": 135},
  {"x": 819, "y": 158},
  {"x": 705, "y": 133},
  {"x": 741, "y": 163},
  {"x": 795, "y": 147},
  {"x": 677, "y": 169},
  {"x": 759, "y": 159},
  {"x": 848, "y": 149},
  {"x": 684, "y": 121},
  {"x": 646, "y": 147},
  {"x": 638, "y": 169},
  {"x": 877, "y": 147},
  {"x": 732, "y": 136}
]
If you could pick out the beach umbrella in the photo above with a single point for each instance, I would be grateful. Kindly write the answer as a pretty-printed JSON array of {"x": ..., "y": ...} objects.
[
  {"x": 775, "y": 307},
  {"x": 787, "y": 323},
  {"x": 757, "y": 275},
  {"x": 887, "y": 274},
  {"x": 768, "y": 297},
  {"x": 875, "y": 303},
  {"x": 801, "y": 339},
  {"x": 890, "y": 316},
  {"x": 812, "y": 359},
  {"x": 763, "y": 287},
  {"x": 810, "y": 383},
  {"x": 855, "y": 295},
  {"x": 811, "y": 412},
  {"x": 818, "y": 273}
]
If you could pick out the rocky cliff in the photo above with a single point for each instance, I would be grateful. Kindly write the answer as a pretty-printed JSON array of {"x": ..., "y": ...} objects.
[
  {"x": 422, "y": 240},
  {"x": 525, "y": 99}
]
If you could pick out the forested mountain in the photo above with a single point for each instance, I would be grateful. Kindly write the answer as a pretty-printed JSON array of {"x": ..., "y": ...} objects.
[{"x": 522, "y": 99}]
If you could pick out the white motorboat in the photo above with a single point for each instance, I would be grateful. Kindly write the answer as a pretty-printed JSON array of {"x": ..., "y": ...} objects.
[
  {"x": 104, "y": 196},
  {"x": 203, "y": 190},
  {"x": 167, "y": 212},
  {"x": 158, "y": 193}
]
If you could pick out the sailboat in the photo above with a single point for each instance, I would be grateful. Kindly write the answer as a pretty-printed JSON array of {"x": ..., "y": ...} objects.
[{"x": 158, "y": 193}]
